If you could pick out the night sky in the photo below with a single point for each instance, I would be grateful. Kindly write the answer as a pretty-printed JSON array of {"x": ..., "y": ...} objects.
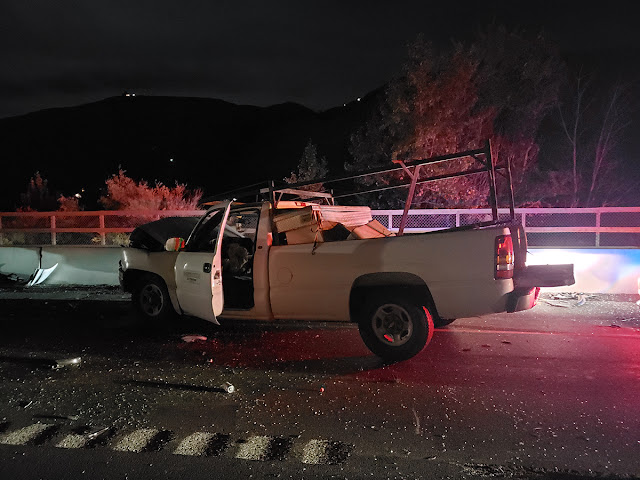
[{"x": 318, "y": 54}]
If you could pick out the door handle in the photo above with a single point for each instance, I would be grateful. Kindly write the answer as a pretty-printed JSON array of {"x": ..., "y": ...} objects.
[{"x": 206, "y": 268}]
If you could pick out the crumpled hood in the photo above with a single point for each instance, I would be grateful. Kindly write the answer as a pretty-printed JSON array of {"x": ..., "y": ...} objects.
[{"x": 153, "y": 235}]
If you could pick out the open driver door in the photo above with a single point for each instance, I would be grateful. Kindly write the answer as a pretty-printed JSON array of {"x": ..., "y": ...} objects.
[{"x": 198, "y": 268}]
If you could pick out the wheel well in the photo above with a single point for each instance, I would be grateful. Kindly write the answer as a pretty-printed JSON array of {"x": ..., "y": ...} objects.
[
  {"x": 132, "y": 277},
  {"x": 406, "y": 283}
]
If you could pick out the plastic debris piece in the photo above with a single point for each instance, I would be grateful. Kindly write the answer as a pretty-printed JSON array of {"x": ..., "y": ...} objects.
[
  {"x": 40, "y": 275},
  {"x": 321, "y": 388},
  {"x": 581, "y": 300},
  {"x": 57, "y": 417},
  {"x": 98, "y": 433},
  {"x": 67, "y": 362},
  {"x": 559, "y": 303},
  {"x": 227, "y": 387},
  {"x": 194, "y": 338}
]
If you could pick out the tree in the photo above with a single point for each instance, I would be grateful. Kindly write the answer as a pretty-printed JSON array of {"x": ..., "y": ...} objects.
[
  {"x": 499, "y": 87},
  {"x": 124, "y": 193},
  {"x": 593, "y": 124},
  {"x": 571, "y": 126},
  {"x": 310, "y": 167},
  {"x": 38, "y": 197}
]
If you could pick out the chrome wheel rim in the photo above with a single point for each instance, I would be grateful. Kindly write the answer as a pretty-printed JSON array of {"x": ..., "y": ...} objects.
[
  {"x": 151, "y": 300},
  {"x": 392, "y": 325}
]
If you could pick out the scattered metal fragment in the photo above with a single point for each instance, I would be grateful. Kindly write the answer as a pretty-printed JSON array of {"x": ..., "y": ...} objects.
[
  {"x": 57, "y": 417},
  {"x": 194, "y": 338},
  {"x": 98, "y": 433},
  {"x": 227, "y": 387},
  {"x": 559, "y": 303},
  {"x": 40, "y": 275},
  {"x": 67, "y": 362}
]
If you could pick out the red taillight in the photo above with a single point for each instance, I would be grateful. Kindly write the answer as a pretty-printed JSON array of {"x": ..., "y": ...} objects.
[{"x": 504, "y": 257}]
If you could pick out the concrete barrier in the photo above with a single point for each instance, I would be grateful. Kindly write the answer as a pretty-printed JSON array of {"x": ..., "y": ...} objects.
[
  {"x": 596, "y": 270},
  {"x": 21, "y": 261},
  {"x": 76, "y": 265}
]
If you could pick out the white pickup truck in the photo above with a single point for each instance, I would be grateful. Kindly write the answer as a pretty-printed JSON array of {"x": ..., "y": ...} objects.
[{"x": 396, "y": 288}]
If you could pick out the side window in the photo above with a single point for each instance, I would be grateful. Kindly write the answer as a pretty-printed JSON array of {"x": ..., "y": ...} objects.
[
  {"x": 205, "y": 236},
  {"x": 243, "y": 224},
  {"x": 239, "y": 241}
]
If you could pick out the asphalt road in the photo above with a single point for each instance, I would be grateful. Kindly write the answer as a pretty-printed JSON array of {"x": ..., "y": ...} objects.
[{"x": 549, "y": 393}]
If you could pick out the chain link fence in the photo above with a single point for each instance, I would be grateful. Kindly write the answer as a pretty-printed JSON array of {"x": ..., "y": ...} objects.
[
  {"x": 605, "y": 227},
  {"x": 103, "y": 228},
  {"x": 546, "y": 227}
]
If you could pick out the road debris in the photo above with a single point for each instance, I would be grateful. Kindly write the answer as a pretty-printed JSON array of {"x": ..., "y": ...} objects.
[
  {"x": 66, "y": 362},
  {"x": 553, "y": 303},
  {"x": 98, "y": 433},
  {"x": 10, "y": 279},
  {"x": 194, "y": 338},
  {"x": 40, "y": 275},
  {"x": 227, "y": 387},
  {"x": 566, "y": 300},
  {"x": 57, "y": 417}
]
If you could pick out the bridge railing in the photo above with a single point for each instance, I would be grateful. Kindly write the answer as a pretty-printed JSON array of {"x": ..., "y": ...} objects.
[{"x": 605, "y": 227}]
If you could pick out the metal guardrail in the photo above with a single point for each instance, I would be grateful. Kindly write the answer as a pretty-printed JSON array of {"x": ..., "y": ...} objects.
[
  {"x": 107, "y": 227},
  {"x": 605, "y": 227},
  {"x": 608, "y": 227}
]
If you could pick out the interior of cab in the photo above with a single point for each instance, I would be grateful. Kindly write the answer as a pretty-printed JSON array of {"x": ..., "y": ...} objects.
[{"x": 238, "y": 249}]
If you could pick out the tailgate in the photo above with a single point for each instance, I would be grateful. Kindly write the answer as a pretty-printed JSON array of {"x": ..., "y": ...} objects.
[{"x": 544, "y": 276}]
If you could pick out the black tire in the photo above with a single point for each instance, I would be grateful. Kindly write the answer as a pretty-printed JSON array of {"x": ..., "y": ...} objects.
[
  {"x": 442, "y": 322},
  {"x": 394, "y": 327},
  {"x": 151, "y": 300}
]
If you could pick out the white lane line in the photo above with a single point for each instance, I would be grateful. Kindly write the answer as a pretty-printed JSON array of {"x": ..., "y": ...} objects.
[
  {"x": 255, "y": 448},
  {"x": 316, "y": 452},
  {"x": 136, "y": 441},
  {"x": 73, "y": 440},
  {"x": 525, "y": 332},
  {"x": 26, "y": 434},
  {"x": 195, "y": 444}
]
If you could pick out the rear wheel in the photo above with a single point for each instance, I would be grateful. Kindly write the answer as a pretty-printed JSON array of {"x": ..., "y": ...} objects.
[
  {"x": 151, "y": 299},
  {"x": 394, "y": 327}
]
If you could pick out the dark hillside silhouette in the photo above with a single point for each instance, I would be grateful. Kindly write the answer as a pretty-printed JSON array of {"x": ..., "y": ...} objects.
[{"x": 215, "y": 145}]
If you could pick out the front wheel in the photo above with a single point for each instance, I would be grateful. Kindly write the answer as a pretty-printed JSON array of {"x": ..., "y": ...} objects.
[
  {"x": 396, "y": 328},
  {"x": 151, "y": 299}
]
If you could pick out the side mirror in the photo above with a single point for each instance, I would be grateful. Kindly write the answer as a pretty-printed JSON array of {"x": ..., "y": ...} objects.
[{"x": 174, "y": 244}]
